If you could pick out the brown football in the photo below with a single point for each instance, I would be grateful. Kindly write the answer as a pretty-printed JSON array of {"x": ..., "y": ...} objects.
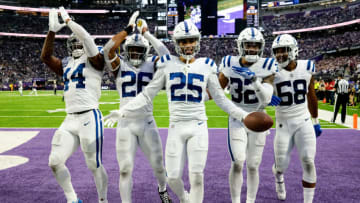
[{"x": 258, "y": 121}]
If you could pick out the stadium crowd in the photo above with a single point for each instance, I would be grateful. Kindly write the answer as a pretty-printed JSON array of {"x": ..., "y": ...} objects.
[{"x": 314, "y": 18}]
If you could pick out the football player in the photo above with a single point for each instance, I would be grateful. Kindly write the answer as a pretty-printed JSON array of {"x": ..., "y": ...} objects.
[
  {"x": 297, "y": 124},
  {"x": 133, "y": 72},
  {"x": 250, "y": 78},
  {"x": 34, "y": 90},
  {"x": 186, "y": 80},
  {"x": 82, "y": 72},
  {"x": 20, "y": 88}
]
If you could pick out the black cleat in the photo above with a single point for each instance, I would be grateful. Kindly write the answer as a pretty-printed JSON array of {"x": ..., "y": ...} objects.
[{"x": 164, "y": 196}]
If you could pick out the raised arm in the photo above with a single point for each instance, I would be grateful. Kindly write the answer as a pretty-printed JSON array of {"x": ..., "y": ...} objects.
[
  {"x": 96, "y": 59},
  {"x": 48, "y": 48},
  {"x": 159, "y": 47},
  {"x": 111, "y": 59}
]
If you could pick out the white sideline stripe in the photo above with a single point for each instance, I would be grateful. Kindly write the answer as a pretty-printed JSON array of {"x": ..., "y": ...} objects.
[
  {"x": 12, "y": 139},
  {"x": 7, "y": 161},
  {"x": 327, "y": 116}
]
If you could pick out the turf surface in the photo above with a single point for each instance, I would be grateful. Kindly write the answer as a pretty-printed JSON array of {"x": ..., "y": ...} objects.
[{"x": 38, "y": 111}]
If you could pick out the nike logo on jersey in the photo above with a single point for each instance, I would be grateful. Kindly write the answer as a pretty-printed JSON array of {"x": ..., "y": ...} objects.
[
  {"x": 200, "y": 122},
  {"x": 87, "y": 123},
  {"x": 149, "y": 122},
  {"x": 307, "y": 119}
]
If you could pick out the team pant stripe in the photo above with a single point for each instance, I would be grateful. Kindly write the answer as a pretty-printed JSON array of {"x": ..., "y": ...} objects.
[
  {"x": 97, "y": 138},
  {"x": 229, "y": 146},
  {"x": 101, "y": 135}
]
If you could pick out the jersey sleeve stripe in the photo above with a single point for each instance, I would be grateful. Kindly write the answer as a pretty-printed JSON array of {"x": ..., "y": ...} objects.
[
  {"x": 207, "y": 60},
  {"x": 271, "y": 62},
  {"x": 313, "y": 68},
  {"x": 266, "y": 60},
  {"x": 228, "y": 61},
  {"x": 212, "y": 63},
  {"x": 153, "y": 58},
  {"x": 224, "y": 61},
  {"x": 162, "y": 59},
  {"x": 168, "y": 57},
  {"x": 308, "y": 65}
]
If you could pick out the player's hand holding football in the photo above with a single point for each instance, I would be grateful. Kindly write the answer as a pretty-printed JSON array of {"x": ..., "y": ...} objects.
[
  {"x": 64, "y": 15},
  {"x": 54, "y": 25},
  {"x": 111, "y": 119},
  {"x": 141, "y": 25}
]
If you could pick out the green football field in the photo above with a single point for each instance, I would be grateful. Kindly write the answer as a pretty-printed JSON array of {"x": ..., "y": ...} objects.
[{"x": 47, "y": 110}]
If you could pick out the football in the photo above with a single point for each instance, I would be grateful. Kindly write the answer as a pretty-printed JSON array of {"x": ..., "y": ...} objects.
[{"x": 258, "y": 121}]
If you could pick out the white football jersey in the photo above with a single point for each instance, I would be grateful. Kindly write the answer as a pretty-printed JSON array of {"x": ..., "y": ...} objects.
[
  {"x": 292, "y": 87},
  {"x": 186, "y": 86},
  {"x": 130, "y": 80},
  {"x": 82, "y": 84},
  {"x": 241, "y": 89}
]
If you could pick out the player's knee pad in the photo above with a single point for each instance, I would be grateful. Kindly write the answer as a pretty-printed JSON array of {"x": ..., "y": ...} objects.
[
  {"x": 91, "y": 163},
  {"x": 309, "y": 174},
  {"x": 173, "y": 180},
  {"x": 125, "y": 167},
  {"x": 237, "y": 166},
  {"x": 159, "y": 168},
  {"x": 281, "y": 163},
  {"x": 55, "y": 160},
  {"x": 196, "y": 179},
  {"x": 253, "y": 164},
  {"x": 197, "y": 168}
]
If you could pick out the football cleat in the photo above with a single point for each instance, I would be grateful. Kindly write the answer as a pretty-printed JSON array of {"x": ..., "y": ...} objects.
[
  {"x": 279, "y": 185},
  {"x": 164, "y": 196}
]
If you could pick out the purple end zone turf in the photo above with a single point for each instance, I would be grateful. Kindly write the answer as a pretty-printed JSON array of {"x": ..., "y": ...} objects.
[{"x": 337, "y": 163}]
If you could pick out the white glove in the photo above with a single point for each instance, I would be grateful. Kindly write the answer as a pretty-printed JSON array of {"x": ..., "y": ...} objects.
[
  {"x": 64, "y": 14},
  {"x": 141, "y": 24},
  {"x": 111, "y": 119},
  {"x": 132, "y": 21},
  {"x": 54, "y": 25}
]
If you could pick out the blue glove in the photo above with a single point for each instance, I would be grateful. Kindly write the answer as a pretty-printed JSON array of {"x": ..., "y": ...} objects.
[
  {"x": 275, "y": 101},
  {"x": 246, "y": 73},
  {"x": 318, "y": 130}
]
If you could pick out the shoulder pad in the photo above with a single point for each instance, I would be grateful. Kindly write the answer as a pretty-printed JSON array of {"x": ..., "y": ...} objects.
[
  {"x": 226, "y": 62},
  {"x": 153, "y": 58},
  {"x": 269, "y": 64},
  {"x": 165, "y": 58},
  {"x": 210, "y": 62}
]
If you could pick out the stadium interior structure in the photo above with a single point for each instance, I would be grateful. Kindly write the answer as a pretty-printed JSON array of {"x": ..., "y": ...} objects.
[{"x": 333, "y": 44}]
